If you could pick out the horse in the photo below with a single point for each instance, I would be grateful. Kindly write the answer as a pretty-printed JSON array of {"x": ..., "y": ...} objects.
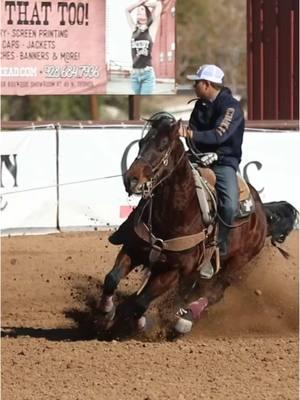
[{"x": 167, "y": 235}]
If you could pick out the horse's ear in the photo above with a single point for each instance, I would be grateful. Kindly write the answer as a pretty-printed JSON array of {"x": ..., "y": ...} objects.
[{"x": 175, "y": 128}]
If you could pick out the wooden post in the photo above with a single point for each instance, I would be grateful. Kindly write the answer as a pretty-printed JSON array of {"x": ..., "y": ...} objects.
[
  {"x": 94, "y": 108},
  {"x": 134, "y": 107}
]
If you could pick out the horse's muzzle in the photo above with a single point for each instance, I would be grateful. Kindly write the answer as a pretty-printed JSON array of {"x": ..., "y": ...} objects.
[{"x": 132, "y": 185}]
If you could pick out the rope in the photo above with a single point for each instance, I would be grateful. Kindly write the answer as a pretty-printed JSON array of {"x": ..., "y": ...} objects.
[{"x": 61, "y": 184}]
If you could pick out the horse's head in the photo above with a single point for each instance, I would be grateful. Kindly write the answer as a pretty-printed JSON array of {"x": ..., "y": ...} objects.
[{"x": 155, "y": 157}]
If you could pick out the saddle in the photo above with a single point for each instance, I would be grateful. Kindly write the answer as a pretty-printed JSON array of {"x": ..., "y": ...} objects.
[
  {"x": 205, "y": 181},
  {"x": 209, "y": 175}
]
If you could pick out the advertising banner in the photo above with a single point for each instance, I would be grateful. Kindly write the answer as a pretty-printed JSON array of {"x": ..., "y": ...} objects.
[
  {"x": 76, "y": 183},
  {"x": 91, "y": 190},
  {"x": 270, "y": 162},
  {"x": 28, "y": 193},
  {"x": 53, "y": 47},
  {"x": 140, "y": 62},
  {"x": 92, "y": 157},
  {"x": 57, "y": 47}
]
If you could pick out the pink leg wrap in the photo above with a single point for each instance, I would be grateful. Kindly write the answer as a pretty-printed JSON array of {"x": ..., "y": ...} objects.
[{"x": 197, "y": 307}]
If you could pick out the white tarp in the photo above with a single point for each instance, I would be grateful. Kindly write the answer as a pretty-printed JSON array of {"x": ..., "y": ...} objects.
[
  {"x": 93, "y": 156},
  {"x": 91, "y": 192},
  {"x": 28, "y": 161},
  {"x": 271, "y": 163}
]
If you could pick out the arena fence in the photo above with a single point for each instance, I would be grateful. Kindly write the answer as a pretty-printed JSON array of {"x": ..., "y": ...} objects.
[{"x": 69, "y": 176}]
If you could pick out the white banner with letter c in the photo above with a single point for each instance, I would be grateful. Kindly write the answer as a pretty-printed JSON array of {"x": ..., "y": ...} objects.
[{"x": 71, "y": 179}]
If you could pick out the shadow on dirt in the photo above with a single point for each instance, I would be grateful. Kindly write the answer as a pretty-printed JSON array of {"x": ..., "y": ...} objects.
[
  {"x": 55, "y": 334},
  {"x": 90, "y": 324}
]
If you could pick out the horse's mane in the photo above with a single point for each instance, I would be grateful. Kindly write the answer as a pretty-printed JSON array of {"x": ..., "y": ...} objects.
[{"x": 160, "y": 120}]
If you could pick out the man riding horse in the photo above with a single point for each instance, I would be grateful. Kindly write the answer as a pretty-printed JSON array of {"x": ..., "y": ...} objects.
[
  {"x": 216, "y": 128},
  {"x": 166, "y": 233}
]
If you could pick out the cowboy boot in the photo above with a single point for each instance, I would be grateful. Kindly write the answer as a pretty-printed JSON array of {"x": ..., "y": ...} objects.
[{"x": 223, "y": 240}]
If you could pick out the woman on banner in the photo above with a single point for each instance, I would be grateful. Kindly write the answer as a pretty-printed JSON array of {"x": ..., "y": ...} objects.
[{"x": 144, "y": 31}]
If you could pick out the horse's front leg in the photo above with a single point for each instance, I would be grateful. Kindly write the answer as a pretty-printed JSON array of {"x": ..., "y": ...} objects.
[
  {"x": 123, "y": 265},
  {"x": 158, "y": 283}
]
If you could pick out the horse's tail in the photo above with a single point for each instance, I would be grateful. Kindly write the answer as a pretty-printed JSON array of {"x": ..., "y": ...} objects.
[{"x": 282, "y": 217}]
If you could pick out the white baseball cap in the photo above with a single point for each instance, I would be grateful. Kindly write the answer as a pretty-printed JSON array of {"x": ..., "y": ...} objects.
[{"x": 208, "y": 72}]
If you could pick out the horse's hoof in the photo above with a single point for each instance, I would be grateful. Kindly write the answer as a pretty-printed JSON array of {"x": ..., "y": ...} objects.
[
  {"x": 183, "y": 325},
  {"x": 187, "y": 316},
  {"x": 104, "y": 321},
  {"x": 141, "y": 324},
  {"x": 109, "y": 316},
  {"x": 107, "y": 305}
]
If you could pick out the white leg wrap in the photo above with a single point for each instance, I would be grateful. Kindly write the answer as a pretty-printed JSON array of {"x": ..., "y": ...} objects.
[
  {"x": 141, "y": 323},
  {"x": 183, "y": 325},
  {"x": 107, "y": 304}
]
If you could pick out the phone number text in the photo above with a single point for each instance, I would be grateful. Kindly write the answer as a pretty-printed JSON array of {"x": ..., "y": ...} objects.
[{"x": 72, "y": 71}]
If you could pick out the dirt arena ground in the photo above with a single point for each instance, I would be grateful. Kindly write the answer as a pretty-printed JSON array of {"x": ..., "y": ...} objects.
[{"x": 245, "y": 347}]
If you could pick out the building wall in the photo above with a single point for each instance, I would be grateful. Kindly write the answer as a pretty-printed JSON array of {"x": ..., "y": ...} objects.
[
  {"x": 164, "y": 47},
  {"x": 273, "y": 59}
]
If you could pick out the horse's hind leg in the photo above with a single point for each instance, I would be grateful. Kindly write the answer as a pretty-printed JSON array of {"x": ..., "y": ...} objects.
[
  {"x": 123, "y": 265},
  {"x": 210, "y": 292},
  {"x": 214, "y": 289}
]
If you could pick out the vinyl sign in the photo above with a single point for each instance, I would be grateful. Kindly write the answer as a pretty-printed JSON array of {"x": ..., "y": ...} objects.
[
  {"x": 91, "y": 190},
  {"x": 28, "y": 193},
  {"x": 53, "y": 47},
  {"x": 270, "y": 162},
  {"x": 90, "y": 158}
]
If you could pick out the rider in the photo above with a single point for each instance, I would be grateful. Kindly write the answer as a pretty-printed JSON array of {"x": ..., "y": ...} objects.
[{"x": 216, "y": 128}]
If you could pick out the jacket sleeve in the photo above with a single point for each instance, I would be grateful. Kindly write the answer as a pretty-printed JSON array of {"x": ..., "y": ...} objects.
[{"x": 225, "y": 127}]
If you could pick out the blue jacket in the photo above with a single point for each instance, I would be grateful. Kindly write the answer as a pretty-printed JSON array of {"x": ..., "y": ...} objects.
[{"x": 218, "y": 127}]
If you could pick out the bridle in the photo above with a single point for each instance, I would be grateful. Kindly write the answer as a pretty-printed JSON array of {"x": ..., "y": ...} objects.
[
  {"x": 156, "y": 172},
  {"x": 144, "y": 229},
  {"x": 163, "y": 162}
]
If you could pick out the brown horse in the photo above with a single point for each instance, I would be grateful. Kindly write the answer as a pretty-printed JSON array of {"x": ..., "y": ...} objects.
[{"x": 166, "y": 233}]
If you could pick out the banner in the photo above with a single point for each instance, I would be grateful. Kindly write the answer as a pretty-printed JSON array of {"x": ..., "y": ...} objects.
[
  {"x": 270, "y": 162},
  {"x": 53, "y": 47},
  {"x": 91, "y": 190},
  {"x": 122, "y": 74},
  {"x": 64, "y": 47},
  {"x": 72, "y": 179},
  {"x": 28, "y": 193}
]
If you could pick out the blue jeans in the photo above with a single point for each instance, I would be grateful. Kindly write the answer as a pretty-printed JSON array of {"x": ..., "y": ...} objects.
[
  {"x": 143, "y": 81},
  {"x": 228, "y": 198}
]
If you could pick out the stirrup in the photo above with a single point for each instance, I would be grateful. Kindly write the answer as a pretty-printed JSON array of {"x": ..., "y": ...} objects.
[{"x": 207, "y": 271}]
